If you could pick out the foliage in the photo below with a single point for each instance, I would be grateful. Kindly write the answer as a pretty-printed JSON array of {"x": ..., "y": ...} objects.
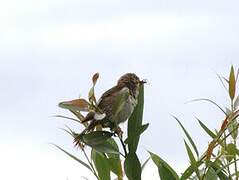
[{"x": 105, "y": 156}]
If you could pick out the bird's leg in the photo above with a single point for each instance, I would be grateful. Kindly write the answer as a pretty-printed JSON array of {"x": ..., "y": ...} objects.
[{"x": 119, "y": 132}]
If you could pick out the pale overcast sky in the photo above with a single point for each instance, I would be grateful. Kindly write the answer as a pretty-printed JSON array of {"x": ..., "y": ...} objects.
[{"x": 49, "y": 50}]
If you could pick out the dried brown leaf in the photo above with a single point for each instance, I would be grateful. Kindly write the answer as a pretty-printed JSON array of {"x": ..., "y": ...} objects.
[
  {"x": 95, "y": 78},
  {"x": 80, "y": 104}
]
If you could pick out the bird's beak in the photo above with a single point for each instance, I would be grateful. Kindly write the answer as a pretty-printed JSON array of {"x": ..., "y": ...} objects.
[{"x": 143, "y": 81}]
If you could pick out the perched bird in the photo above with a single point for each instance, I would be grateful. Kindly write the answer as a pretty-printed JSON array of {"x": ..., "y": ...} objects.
[{"x": 117, "y": 104}]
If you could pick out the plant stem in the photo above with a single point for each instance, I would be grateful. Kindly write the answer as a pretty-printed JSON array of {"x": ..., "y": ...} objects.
[
  {"x": 235, "y": 143},
  {"x": 235, "y": 162},
  {"x": 91, "y": 165},
  {"x": 123, "y": 145},
  {"x": 225, "y": 145},
  {"x": 209, "y": 166}
]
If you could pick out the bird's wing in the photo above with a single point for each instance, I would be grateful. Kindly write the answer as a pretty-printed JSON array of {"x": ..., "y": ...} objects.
[
  {"x": 112, "y": 101},
  {"x": 120, "y": 101}
]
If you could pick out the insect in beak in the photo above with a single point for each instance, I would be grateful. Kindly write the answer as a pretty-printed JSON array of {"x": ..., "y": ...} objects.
[{"x": 143, "y": 81}]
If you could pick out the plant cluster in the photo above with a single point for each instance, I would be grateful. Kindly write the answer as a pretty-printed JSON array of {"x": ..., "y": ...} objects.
[{"x": 109, "y": 152}]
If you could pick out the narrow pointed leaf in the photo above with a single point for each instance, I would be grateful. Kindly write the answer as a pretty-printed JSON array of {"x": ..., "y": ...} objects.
[
  {"x": 225, "y": 79},
  {"x": 74, "y": 157},
  {"x": 101, "y": 165},
  {"x": 231, "y": 151},
  {"x": 236, "y": 103},
  {"x": 144, "y": 164},
  {"x": 222, "y": 168},
  {"x": 143, "y": 128},
  {"x": 190, "y": 170},
  {"x": 135, "y": 122},
  {"x": 220, "y": 78},
  {"x": 237, "y": 74},
  {"x": 216, "y": 165},
  {"x": 165, "y": 170},
  {"x": 192, "y": 159},
  {"x": 208, "y": 100},
  {"x": 132, "y": 166},
  {"x": 188, "y": 136},
  {"x": 190, "y": 153},
  {"x": 78, "y": 114},
  {"x": 65, "y": 117},
  {"x": 139, "y": 131},
  {"x": 207, "y": 130},
  {"x": 115, "y": 167},
  {"x": 232, "y": 128},
  {"x": 232, "y": 83},
  {"x": 114, "y": 161},
  {"x": 211, "y": 175}
]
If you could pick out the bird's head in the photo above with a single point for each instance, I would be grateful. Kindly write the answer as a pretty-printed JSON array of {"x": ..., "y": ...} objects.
[{"x": 131, "y": 81}]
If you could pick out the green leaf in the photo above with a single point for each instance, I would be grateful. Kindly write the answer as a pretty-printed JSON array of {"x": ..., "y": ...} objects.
[
  {"x": 132, "y": 166},
  {"x": 236, "y": 103},
  {"x": 115, "y": 146},
  {"x": 228, "y": 111},
  {"x": 65, "y": 117},
  {"x": 190, "y": 170},
  {"x": 232, "y": 83},
  {"x": 231, "y": 151},
  {"x": 188, "y": 136},
  {"x": 101, "y": 165},
  {"x": 138, "y": 132},
  {"x": 101, "y": 141},
  {"x": 96, "y": 137},
  {"x": 216, "y": 165},
  {"x": 135, "y": 122},
  {"x": 221, "y": 80},
  {"x": 143, "y": 128},
  {"x": 208, "y": 100},
  {"x": 237, "y": 74},
  {"x": 165, "y": 171},
  {"x": 74, "y": 157},
  {"x": 115, "y": 166},
  {"x": 192, "y": 159},
  {"x": 145, "y": 162},
  {"x": 114, "y": 160},
  {"x": 232, "y": 128},
  {"x": 79, "y": 116},
  {"x": 220, "y": 169},
  {"x": 207, "y": 130},
  {"x": 211, "y": 174},
  {"x": 106, "y": 147}
]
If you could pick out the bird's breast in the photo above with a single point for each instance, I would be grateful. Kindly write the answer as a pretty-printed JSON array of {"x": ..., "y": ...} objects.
[{"x": 127, "y": 109}]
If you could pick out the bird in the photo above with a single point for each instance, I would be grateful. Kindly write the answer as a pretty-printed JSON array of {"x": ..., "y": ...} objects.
[{"x": 116, "y": 104}]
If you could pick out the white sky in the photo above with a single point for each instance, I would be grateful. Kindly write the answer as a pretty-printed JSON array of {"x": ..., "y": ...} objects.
[{"x": 49, "y": 50}]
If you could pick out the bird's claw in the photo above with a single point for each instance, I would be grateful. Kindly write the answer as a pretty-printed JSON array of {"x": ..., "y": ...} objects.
[{"x": 119, "y": 132}]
